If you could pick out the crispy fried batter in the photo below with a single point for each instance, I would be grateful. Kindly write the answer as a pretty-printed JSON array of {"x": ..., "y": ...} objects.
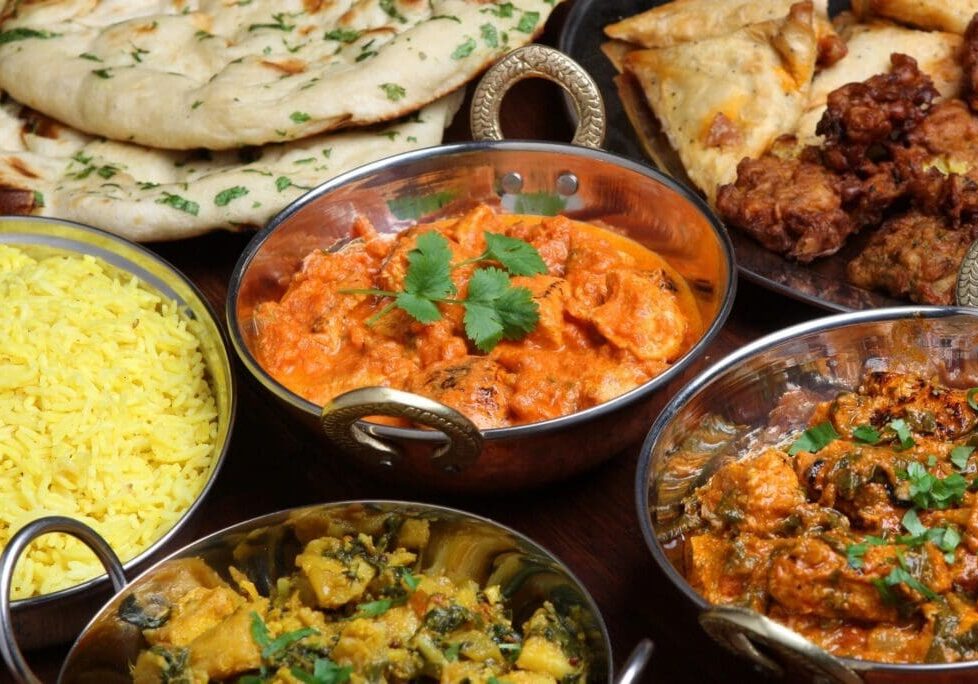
[
  {"x": 790, "y": 206},
  {"x": 865, "y": 120},
  {"x": 913, "y": 256},
  {"x": 969, "y": 62}
]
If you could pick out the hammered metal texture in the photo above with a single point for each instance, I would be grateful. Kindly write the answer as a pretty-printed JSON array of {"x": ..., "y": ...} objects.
[
  {"x": 542, "y": 62},
  {"x": 967, "y": 291},
  {"x": 339, "y": 422}
]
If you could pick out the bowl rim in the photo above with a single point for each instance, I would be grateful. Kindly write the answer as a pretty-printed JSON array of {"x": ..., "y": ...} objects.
[
  {"x": 448, "y": 150},
  {"x": 279, "y": 515},
  {"x": 733, "y": 360},
  {"x": 91, "y": 585}
]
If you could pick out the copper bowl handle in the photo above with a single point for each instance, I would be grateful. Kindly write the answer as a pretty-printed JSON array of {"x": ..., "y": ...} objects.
[
  {"x": 8, "y": 560},
  {"x": 340, "y": 421},
  {"x": 538, "y": 61},
  {"x": 967, "y": 290},
  {"x": 741, "y": 631}
]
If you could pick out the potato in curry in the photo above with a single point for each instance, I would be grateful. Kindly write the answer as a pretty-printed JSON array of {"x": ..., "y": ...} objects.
[
  {"x": 862, "y": 533},
  {"x": 356, "y": 609},
  {"x": 607, "y": 315}
]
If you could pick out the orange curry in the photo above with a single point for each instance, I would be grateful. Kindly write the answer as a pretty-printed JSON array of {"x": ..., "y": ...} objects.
[
  {"x": 611, "y": 315},
  {"x": 862, "y": 533}
]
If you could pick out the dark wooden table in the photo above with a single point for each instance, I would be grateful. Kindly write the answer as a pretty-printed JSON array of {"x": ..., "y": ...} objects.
[{"x": 590, "y": 522}]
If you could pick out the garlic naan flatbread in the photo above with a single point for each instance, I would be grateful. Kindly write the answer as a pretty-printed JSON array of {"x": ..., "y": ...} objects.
[
  {"x": 869, "y": 49},
  {"x": 723, "y": 99},
  {"x": 219, "y": 74},
  {"x": 939, "y": 15},
  {"x": 48, "y": 169},
  {"x": 683, "y": 21}
]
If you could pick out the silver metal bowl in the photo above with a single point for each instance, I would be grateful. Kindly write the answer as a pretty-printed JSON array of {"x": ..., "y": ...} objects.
[
  {"x": 264, "y": 549},
  {"x": 57, "y": 617},
  {"x": 713, "y": 416},
  {"x": 514, "y": 177}
]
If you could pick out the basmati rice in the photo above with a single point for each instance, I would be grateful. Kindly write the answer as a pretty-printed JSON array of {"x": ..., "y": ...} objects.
[{"x": 106, "y": 415}]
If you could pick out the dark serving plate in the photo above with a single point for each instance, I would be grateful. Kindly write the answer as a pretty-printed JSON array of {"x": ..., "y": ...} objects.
[{"x": 822, "y": 283}]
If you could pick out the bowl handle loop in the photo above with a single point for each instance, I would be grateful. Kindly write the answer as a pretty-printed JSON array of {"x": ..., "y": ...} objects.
[
  {"x": 967, "y": 290},
  {"x": 635, "y": 666},
  {"x": 8, "y": 560},
  {"x": 742, "y": 631},
  {"x": 539, "y": 61},
  {"x": 340, "y": 423}
]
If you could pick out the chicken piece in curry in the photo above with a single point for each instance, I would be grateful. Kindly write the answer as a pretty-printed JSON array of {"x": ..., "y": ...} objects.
[
  {"x": 862, "y": 533},
  {"x": 600, "y": 316},
  {"x": 357, "y": 609}
]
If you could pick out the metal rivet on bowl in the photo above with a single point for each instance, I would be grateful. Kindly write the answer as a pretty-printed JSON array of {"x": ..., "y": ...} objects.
[
  {"x": 511, "y": 182},
  {"x": 567, "y": 184}
]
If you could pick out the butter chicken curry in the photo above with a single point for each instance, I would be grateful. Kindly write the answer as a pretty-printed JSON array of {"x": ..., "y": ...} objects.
[
  {"x": 510, "y": 319},
  {"x": 862, "y": 533}
]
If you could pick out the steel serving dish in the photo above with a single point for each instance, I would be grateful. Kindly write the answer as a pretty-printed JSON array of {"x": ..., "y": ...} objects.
[
  {"x": 57, "y": 617},
  {"x": 728, "y": 407},
  {"x": 515, "y": 177},
  {"x": 462, "y": 545}
]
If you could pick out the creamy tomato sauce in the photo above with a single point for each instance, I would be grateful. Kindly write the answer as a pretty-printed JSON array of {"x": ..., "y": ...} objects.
[{"x": 612, "y": 315}]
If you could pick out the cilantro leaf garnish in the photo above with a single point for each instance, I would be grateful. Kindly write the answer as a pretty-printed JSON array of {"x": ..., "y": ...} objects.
[
  {"x": 516, "y": 256},
  {"x": 814, "y": 439},
  {"x": 494, "y": 308},
  {"x": 901, "y": 575},
  {"x": 959, "y": 456},
  {"x": 866, "y": 434},
  {"x": 911, "y": 523},
  {"x": 451, "y": 653},
  {"x": 410, "y": 581},
  {"x": 902, "y": 430},
  {"x": 429, "y": 272},
  {"x": 324, "y": 671},
  {"x": 373, "y": 608},
  {"x": 281, "y": 643},
  {"x": 928, "y": 491},
  {"x": 855, "y": 552}
]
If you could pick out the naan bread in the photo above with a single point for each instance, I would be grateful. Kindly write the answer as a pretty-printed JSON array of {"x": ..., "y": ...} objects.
[
  {"x": 869, "y": 48},
  {"x": 726, "y": 98},
  {"x": 47, "y": 169},
  {"x": 939, "y": 15},
  {"x": 684, "y": 21},
  {"x": 219, "y": 74}
]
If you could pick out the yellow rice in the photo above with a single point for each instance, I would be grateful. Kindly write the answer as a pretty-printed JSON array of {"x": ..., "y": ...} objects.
[{"x": 105, "y": 412}]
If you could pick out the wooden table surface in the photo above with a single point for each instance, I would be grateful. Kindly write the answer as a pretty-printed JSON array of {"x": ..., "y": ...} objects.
[{"x": 589, "y": 521}]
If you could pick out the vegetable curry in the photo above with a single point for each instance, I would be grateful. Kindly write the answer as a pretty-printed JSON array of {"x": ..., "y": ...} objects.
[
  {"x": 356, "y": 609},
  {"x": 862, "y": 533},
  {"x": 510, "y": 319}
]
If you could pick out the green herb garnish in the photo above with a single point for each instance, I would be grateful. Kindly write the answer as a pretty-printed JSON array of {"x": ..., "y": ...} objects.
[
  {"x": 465, "y": 49},
  {"x": 225, "y": 197},
  {"x": 299, "y": 117},
  {"x": 490, "y": 36},
  {"x": 528, "y": 22},
  {"x": 973, "y": 398},
  {"x": 855, "y": 552},
  {"x": 494, "y": 308},
  {"x": 960, "y": 455},
  {"x": 325, "y": 671},
  {"x": 178, "y": 202},
  {"x": 343, "y": 35},
  {"x": 928, "y": 491},
  {"x": 902, "y": 430},
  {"x": 814, "y": 439},
  {"x": 393, "y": 91},
  {"x": 373, "y": 608},
  {"x": 23, "y": 33},
  {"x": 866, "y": 434}
]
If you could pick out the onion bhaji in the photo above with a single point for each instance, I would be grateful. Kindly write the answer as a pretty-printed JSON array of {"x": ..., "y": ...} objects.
[
  {"x": 892, "y": 157},
  {"x": 914, "y": 256}
]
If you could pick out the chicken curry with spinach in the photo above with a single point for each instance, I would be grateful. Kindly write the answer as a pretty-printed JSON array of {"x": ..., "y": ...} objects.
[
  {"x": 356, "y": 609},
  {"x": 862, "y": 533},
  {"x": 510, "y": 319}
]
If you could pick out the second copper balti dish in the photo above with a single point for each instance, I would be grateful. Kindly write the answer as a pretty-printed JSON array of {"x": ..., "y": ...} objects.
[
  {"x": 768, "y": 399},
  {"x": 512, "y": 178}
]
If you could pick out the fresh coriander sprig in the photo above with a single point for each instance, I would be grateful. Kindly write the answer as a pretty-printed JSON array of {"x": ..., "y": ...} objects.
[
  {"x": 494, "y": 308},
  {"x": 814, "y": 439}
]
